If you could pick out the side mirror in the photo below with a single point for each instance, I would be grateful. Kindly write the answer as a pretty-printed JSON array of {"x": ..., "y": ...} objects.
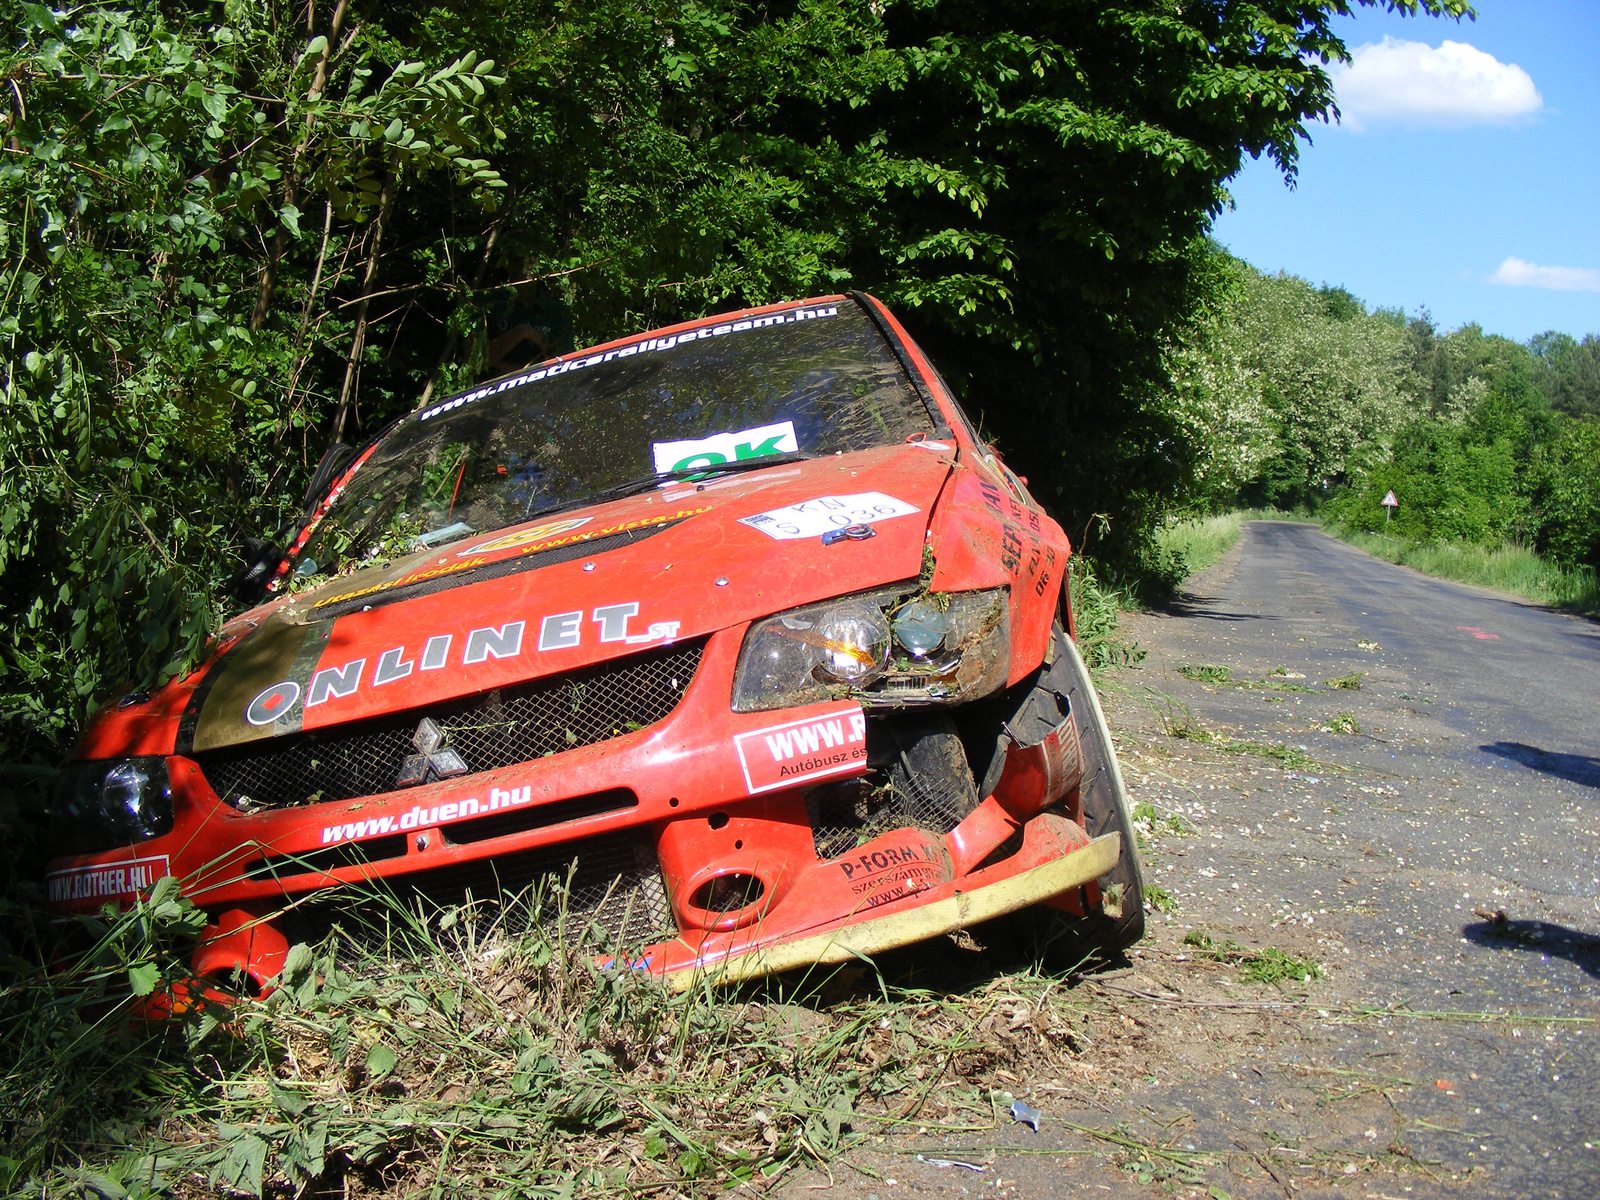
[
  {"x": 249, "y": 582},
  {"x": 333, "y": 458}
]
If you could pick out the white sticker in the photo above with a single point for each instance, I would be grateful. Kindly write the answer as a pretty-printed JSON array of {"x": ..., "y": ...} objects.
[
  {"x": 813, "y": 518},
  {"x": 726, "y": 447}
]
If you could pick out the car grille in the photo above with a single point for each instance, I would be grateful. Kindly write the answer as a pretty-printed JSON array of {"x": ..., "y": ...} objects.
[
  {"x": 492, "y": 730},
  {"x": 608, "y": 889}
]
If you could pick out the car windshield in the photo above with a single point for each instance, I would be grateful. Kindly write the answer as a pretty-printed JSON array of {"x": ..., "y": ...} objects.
[{"x": 803, "y": 381}]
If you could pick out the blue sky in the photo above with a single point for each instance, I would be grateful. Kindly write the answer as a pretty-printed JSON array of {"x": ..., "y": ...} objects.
[{"x": 1455, "y": 183}]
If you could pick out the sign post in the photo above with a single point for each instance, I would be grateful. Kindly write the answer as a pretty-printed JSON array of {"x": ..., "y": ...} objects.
[{"x": 1389, "y": 505}]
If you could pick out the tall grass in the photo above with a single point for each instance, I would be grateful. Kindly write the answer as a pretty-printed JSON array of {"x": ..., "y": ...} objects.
[
  {"x": 1201, "y": 542},
  {"x": 1507, "y": 568},
  {"x": 453, "y": 1056}
]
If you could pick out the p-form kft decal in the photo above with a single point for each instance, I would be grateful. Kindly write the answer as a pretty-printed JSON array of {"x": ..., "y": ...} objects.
[
  {"x": 780, "y": 756},
  {"x": 717, "y": 448},
  {"x": 554, "y": 631},
  {"x": 649, "y": 345},
  {"x": 113, "y": 881},
  {"x": 812, "y": 518}
]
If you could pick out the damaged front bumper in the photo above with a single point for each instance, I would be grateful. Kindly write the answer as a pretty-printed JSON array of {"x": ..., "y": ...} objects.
[{"x": 697, "y": 847}]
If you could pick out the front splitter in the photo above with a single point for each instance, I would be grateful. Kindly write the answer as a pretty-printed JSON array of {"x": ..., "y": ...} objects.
[{"x": 953, "y": 913}]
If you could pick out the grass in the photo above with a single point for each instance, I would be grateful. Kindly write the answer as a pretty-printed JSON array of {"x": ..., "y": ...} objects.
[
  {"x": 1266, "y": 965},
  {"x": 1506, "y": 568},
  {"x": 1206, "y": 673},
  {"x": 1348, "y": 683},
  {"x": 1343, "y": 722},
  {"x": 1158, "y": 899},
  {"x": 1179, "y": 722},
  {"x": 1201, "y": 542},
  {"x": 452, "y": 1055}
]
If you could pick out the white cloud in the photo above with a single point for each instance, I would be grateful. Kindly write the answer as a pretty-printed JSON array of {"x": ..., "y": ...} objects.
[
  {"x": 1516, "y": 273},
  {"x": 1411, "y": 82}
]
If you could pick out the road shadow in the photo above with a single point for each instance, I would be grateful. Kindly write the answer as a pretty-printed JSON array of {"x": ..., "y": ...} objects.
[
  {"x": 1190, "y": 604},
  {"x": 1575, "y": 768},
  {"x": 1542, "y": 937}
]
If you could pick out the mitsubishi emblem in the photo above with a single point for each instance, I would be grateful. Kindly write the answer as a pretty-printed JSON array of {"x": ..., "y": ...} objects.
[{"x": 433, "y": 760}]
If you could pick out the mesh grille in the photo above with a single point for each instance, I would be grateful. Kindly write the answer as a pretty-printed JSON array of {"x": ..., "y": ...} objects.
[
  {"x": 920, "y": 781},
  {"x": 616, "y": 894},
  {"x": 496, "y": 729}
]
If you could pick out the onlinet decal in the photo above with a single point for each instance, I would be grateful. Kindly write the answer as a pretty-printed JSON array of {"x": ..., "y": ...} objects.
[{"x": 783, "y": 755}]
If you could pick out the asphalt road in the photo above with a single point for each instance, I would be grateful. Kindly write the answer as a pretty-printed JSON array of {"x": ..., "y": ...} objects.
[{"x": 1446, "y": 1051}]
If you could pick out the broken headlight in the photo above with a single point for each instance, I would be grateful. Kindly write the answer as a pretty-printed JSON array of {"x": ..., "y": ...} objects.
[
  {"x": 110, "y": 803},
  {"x": 893, "y": 646}
]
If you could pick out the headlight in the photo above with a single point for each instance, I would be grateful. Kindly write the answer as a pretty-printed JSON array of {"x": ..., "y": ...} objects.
[
  {"x": 106, "y": 804},
  {"x": 894, "y": 646}
]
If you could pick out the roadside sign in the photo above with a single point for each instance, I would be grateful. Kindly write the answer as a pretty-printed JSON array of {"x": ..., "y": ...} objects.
[{"x": 1389, "y": 505}]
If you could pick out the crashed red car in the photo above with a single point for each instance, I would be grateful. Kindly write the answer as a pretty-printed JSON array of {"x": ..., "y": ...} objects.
[{"x": 738, "y": 625}]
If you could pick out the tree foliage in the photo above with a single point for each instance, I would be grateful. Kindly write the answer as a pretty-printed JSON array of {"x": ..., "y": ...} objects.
[{"x": 232, "y": 233}]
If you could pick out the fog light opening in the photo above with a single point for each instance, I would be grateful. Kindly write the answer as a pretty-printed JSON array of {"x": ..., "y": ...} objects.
[{"x": 724, "y": 902}]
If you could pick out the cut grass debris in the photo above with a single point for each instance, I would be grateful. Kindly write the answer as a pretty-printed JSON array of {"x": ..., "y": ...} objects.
[
  {"x": 1179, "y": 722},
  {"x": 1343, "y": 722},
  {"x": 1154, "y": 822},
  {"x": 1158, "y": 899},
  {"x": 1205, "y": 673},
  {"x": 1347, "y": 683},
  {"x": 1266, "y": 965}
]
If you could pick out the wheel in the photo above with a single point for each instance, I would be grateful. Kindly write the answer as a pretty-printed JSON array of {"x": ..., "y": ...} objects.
[
  {"x": 1056, "y": 939},
  {"x": 1104, "y": 799}
]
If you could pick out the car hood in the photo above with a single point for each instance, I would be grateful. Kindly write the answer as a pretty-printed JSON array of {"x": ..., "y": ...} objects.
[{"x": 558, "y": 594}]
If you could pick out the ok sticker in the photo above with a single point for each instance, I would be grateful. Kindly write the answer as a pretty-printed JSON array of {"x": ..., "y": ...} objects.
[{"x": 726, "y": 447}]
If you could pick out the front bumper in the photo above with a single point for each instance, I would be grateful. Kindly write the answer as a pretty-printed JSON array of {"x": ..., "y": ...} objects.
[{"x": 713, "y": 801}]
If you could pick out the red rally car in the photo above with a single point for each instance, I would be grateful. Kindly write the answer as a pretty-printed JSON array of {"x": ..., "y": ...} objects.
[{"x": 738, "y": 627}]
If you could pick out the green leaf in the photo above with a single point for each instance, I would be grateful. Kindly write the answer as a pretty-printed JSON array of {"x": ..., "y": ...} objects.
[
  {"x": 290, "y": 216},
  {"x": 143, "y": 978},
  {"x": 287, "y": 1099},
  {"x": 380, "y": 1061}
]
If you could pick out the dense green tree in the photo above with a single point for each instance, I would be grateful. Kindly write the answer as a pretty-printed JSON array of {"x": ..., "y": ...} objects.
[{"x": 233, "y": 233}]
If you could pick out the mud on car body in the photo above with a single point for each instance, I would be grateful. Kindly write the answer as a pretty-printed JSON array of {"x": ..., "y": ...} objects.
[{"x": 737, "y": 625}]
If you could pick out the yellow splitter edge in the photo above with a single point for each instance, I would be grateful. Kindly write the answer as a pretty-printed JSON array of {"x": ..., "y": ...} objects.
[{"x": 918, "y": 924}]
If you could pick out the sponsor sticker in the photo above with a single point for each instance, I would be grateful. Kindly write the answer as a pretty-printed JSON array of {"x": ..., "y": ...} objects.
[
  {"x": 652, "y": 345},
  {"x": 273, "y": 703},
  {"x": 719, "y": 448},
  {"x": 426, "y": 816},
  {"x": 812, "y": 518},
  {"x": 113, "y": 881},
  {"x": 781, "y": 756},
  {"x": 524, "y": 536}
]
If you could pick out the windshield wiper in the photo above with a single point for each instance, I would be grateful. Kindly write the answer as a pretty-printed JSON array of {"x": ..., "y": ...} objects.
[{"x": 644, "y": 483}]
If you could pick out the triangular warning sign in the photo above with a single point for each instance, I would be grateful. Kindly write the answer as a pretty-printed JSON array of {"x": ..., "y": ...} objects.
[{"x": 1389, "y": 501}]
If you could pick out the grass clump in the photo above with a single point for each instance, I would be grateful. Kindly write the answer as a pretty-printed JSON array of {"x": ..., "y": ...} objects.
[
  {"x": 1206, "y": 673},
  {"x": 1507, "y": 568},
  {"x": 1158, "y": 899},
  {"x": 1344, "y": 722},
  {"x": 1266, "y": 965},
  {"x": 1096, "y": 607},
  {"x": 1347, "y": 683}
]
